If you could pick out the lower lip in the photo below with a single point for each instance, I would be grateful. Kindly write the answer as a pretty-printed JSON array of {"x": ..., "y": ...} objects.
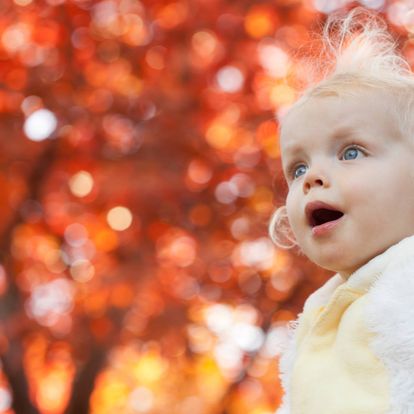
[{"x": 325, "y": 228}]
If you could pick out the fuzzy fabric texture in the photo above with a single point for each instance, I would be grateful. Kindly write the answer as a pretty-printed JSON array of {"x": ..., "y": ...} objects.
[
  {"x": 389, "y": 315},
  {"x": 287, "y": 360},
  {"x": 286, "y": 367}
]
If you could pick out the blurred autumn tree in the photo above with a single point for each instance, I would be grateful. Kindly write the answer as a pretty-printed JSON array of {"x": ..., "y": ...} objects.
[{"x": 139, "y": 169}]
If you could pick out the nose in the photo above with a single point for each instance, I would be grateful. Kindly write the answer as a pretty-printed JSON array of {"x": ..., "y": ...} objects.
[{"x": 315, "y": 177}]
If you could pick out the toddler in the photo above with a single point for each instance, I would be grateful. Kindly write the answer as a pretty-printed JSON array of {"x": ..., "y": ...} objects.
[{"x": 347, "y": 149}]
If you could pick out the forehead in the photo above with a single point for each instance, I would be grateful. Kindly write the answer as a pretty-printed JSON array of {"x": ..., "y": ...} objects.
[{"x": 365, "y": 114}]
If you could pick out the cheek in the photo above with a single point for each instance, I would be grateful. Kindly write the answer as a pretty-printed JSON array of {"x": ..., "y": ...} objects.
[
  {"x": 359, "y": 189},
  {"x": 369, "y": 199},
  {"x": 292, "y": 209}
]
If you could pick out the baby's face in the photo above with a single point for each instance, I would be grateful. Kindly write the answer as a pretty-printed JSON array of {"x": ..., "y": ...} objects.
[{"x": 347, "y": 152}]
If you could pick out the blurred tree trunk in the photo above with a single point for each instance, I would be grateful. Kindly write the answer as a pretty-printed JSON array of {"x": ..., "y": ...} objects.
[
  {"x": 12, "y": 314},
  {"x": 13, "y": 368},
  {"x": 84, "y": 382}
]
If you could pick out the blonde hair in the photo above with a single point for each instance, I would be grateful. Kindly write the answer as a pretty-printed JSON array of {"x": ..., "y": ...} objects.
[{"x": 358, "y": 54}]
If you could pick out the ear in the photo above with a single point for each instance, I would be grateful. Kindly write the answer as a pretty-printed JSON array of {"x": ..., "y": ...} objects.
[{"x": 280, "y": 230}]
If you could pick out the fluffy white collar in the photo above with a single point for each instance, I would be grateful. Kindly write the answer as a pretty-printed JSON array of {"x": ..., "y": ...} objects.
[{"x": 388, "y": 280}]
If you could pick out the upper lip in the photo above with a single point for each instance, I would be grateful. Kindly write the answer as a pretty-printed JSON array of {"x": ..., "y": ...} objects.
[{"x": 315, "y": 205}]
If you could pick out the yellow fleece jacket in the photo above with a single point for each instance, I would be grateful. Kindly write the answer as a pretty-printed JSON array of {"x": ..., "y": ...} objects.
[
  {"x": 352, "y": 349},
  {"x": 335, "y": 371},
  {"x": 332, "y": 366}
]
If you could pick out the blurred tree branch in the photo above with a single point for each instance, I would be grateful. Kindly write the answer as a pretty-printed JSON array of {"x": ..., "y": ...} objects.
[{"x": 12, "y": 315}]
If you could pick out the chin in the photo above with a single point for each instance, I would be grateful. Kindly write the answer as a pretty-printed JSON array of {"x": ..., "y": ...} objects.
[
  {"x": 342, "y": 267},
  {"x": 334, "y": 266},
  {"x": 332, "y": 259}
]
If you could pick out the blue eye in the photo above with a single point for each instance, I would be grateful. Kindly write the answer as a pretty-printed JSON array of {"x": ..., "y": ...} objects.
[
  {"x": 353, "y": 151},
  {"x": 295, "y": 170}
]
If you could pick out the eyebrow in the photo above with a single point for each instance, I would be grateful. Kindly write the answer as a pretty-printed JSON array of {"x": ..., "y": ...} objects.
[{"x": 337, "y": 135}]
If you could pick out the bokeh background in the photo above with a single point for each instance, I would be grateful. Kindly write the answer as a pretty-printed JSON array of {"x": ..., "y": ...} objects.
[{"x": 139, "y": 169}]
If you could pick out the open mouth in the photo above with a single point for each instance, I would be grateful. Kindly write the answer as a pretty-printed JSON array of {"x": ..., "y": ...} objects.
[{"x": 323, "y": 215}]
